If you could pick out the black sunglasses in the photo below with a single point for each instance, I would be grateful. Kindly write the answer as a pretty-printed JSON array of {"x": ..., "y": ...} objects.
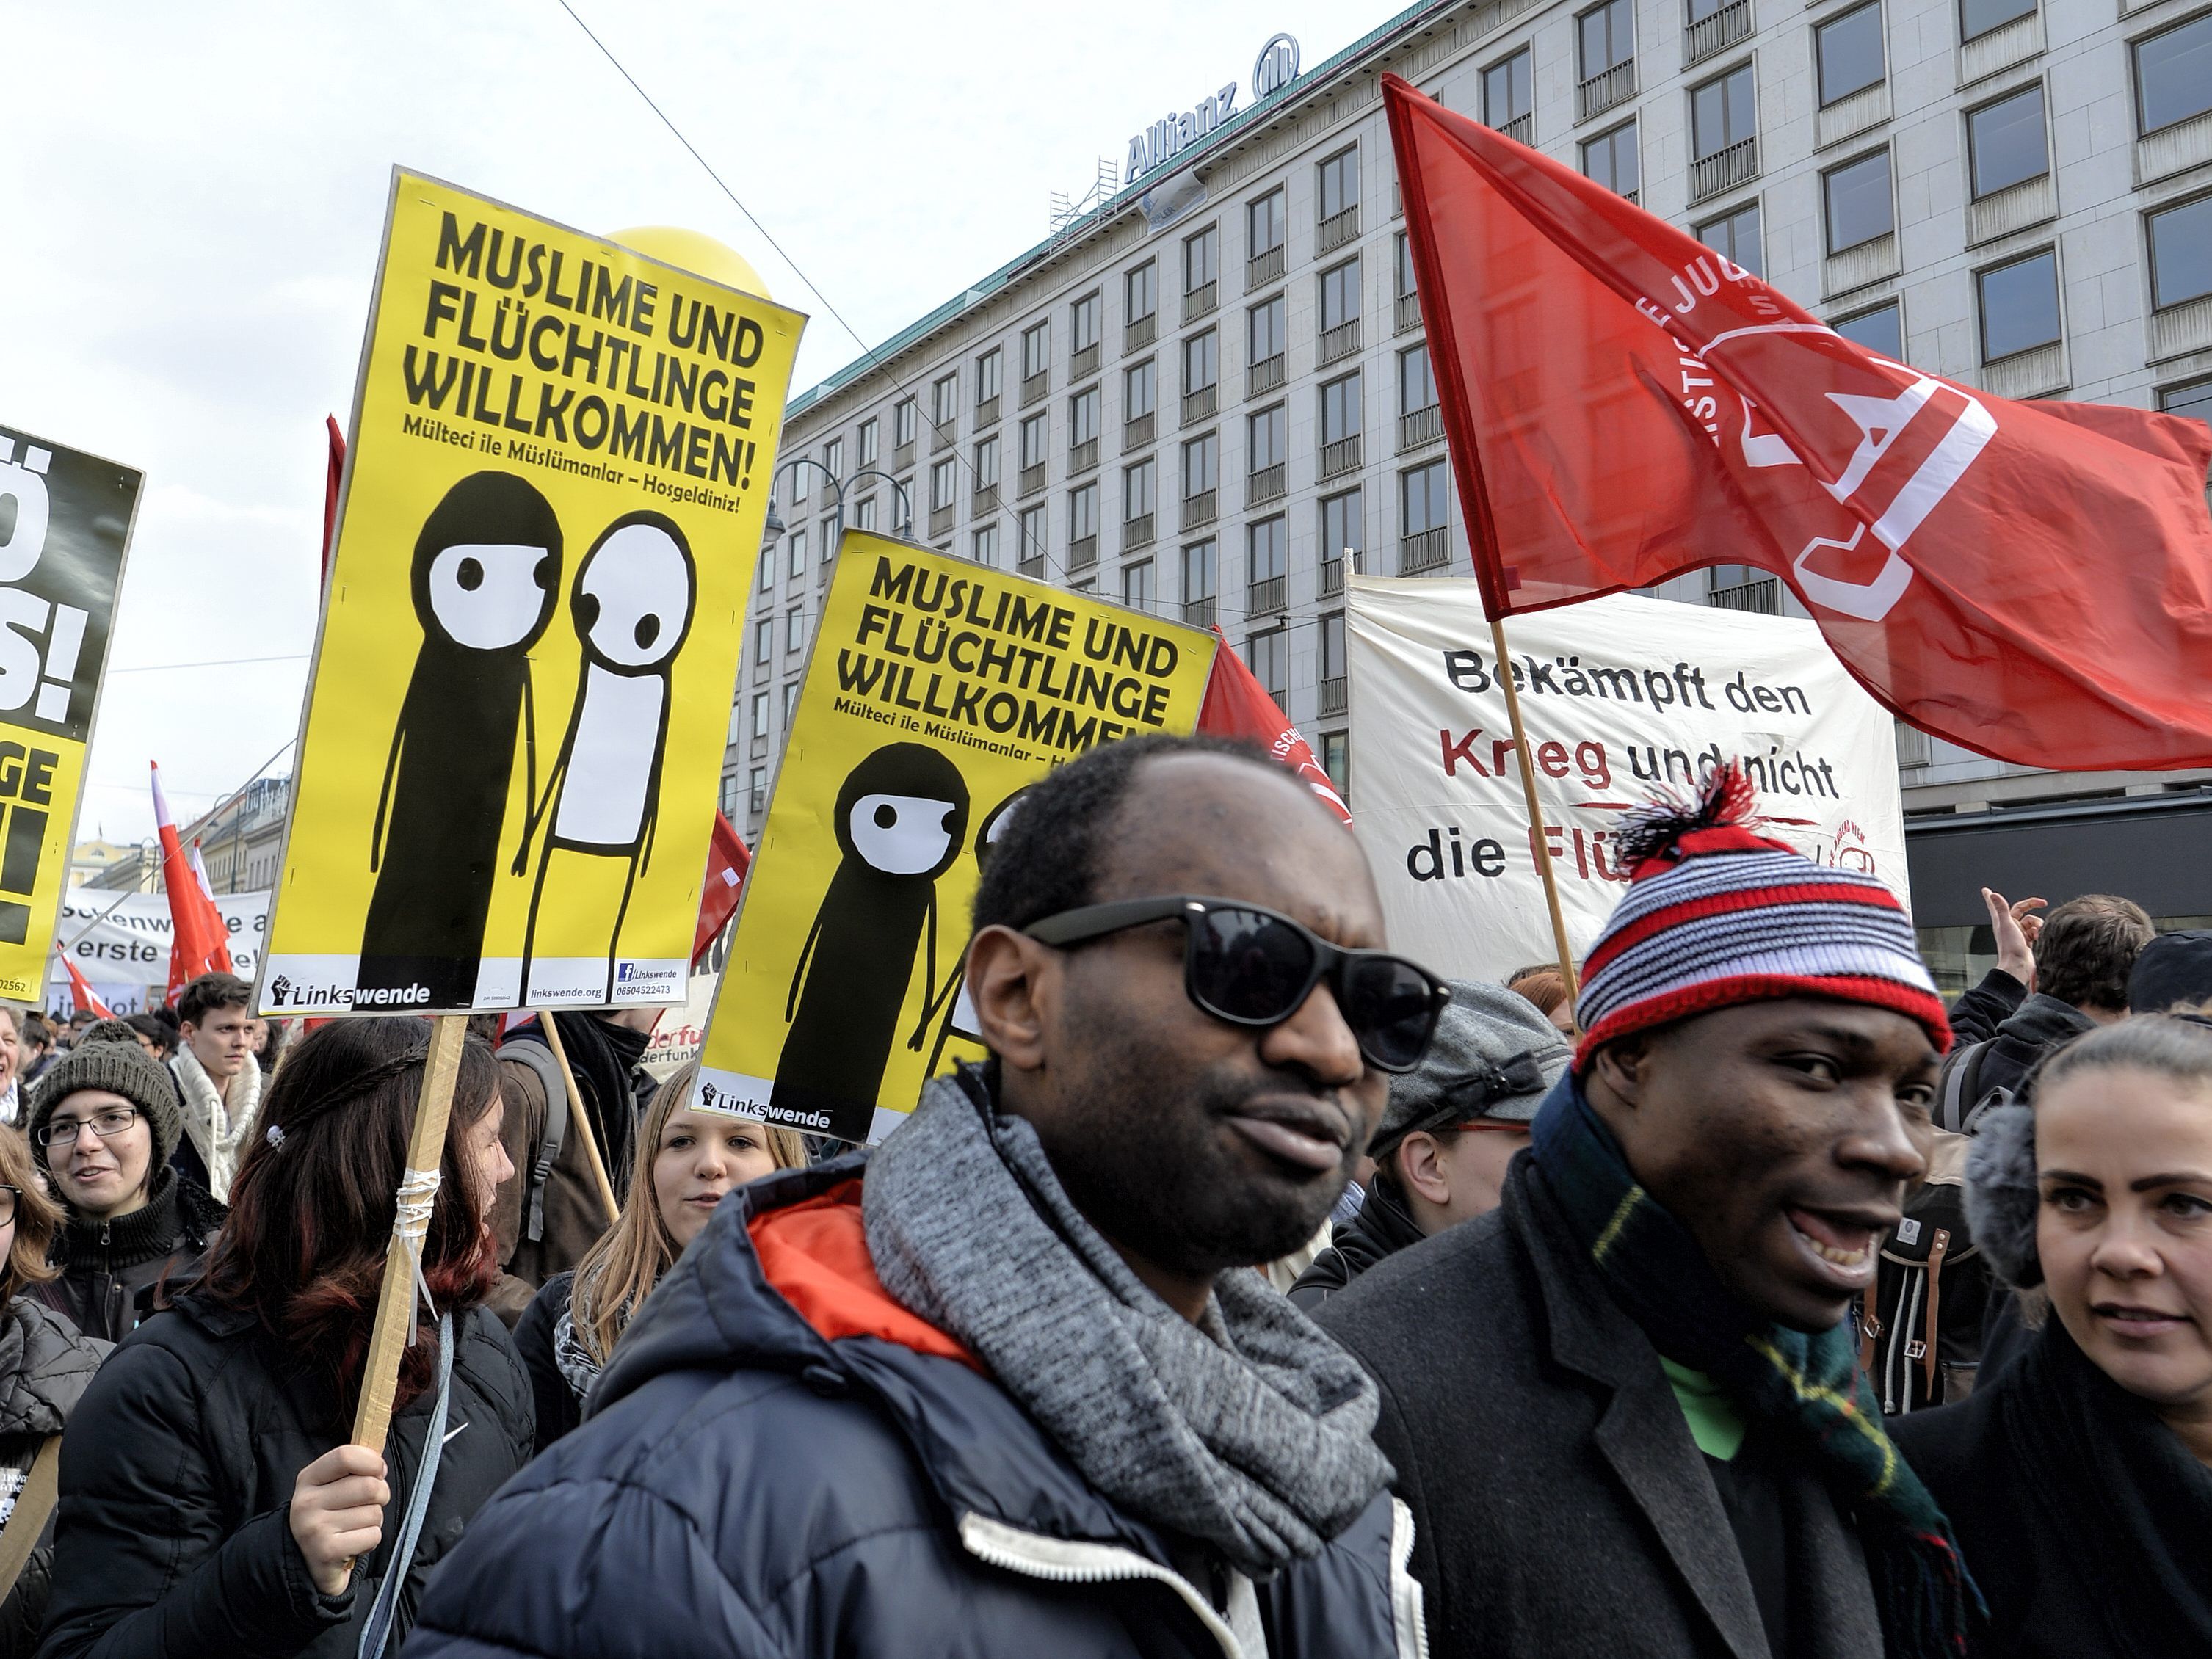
[{"x": 1253, "y": 966}]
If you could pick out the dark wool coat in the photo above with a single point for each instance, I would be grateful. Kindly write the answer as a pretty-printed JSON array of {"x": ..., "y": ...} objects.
[
  {"x": 175, "y": 1538},
  {"x": 1561, "y": 1510},
  {"x": 744, "y": 1487},
  {"x": 45, "y": 1368}
]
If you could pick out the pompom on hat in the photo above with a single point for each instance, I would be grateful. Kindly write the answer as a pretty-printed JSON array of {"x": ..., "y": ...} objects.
[{"x": 1718, "y": 914}]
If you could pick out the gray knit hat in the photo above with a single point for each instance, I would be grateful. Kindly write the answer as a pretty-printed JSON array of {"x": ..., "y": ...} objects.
[
  {"x": 122, "y": 1068},
  {"x": 1495, "y": 1056},
  {"x": 110, "y": 1030}
]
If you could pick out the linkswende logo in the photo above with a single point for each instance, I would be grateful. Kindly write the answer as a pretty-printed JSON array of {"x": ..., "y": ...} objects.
[
  {"x": 282, "y": 993},
  {"x": 391, "y": 996},
  {"x": 279, "y": 989}
]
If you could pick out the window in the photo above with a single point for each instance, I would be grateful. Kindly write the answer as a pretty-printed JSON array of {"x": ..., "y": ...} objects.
[
  {"x": 2005, "y": 141},
  {"x": 864, "y": 513},
  {"x": 1201, "y": 258},
  {"x": 833, "y": 458},
  {"x": 1509, "y": 91},
  {"x": 2020, "y": 306},
  {"x": 944, "y": 480},
  {"x": 1421, "y": 500},
  {"x": 2193, "y": 400},
  {"x": 1267, "y": 551},
  {"x": 902, "y": 422},
  {"x": 794, "y": 631},
  {"x": 1036, "y": 431},
  {"x": 799, "y": 476},
  {"x": 2181, "y": 253},
  {"x": 1610, "y": 158},
  {"x": 1141, "y": 489},
  {"x": 1263, "y": 225},
  {"x": 986, "y": 464},
  {"x": 1201, "y": 464},
  {"x": 757, "y": 789},
  {"x": 983, "y": 545},
  {"x": 1202, "y": 361},
  {"x": 1340, "y": 409},
  {"x": 1407, "y": 284},
  {"x": 1083, "y": 511},
  {"x": 831, "y": 528},
  {"x": 1201, "y": 570},
  {"x": 1263, "y": 439},
  {"x": 1847, "y": 52},
  {"x": 945, "y": 400},
  {"x": 1417, "y": 387},
  {"x": 987, "y": 376},
  {"x": 1037, "y": 349},
  {"x": 797, "y": 554},
  {"x": 790, "y": 701},
  {"x": 1032, "y": 528},
  {"x": 1881, "y": 331},
  {"x": 1270, "y": 657},
  {"x": 870, "y": 452},
  {"x": 1332, "y": 646},
  {"x": 2173, "y": 74},
  {"x": 1736, "y": 235},
  {"x": 1977, "y": 17},
  {"x": 1606, "y": 35},
  {"x": 1723, "y": 112},
  {"x": 1139, "y": 390},
  {"x": 1137, "y": 583},
  {"x": 1339, "y": 295},
  {"x": 764, "y": 638},
  {"x": 1265, "y": 325},
  {"x": 1338, "y": 183},
  {"x": 1083, "y": 317},
  {"x": 767, "y": 569},
  {"x": 1083, "y": 417},
  {"x": 1336, "y": 761},
  {"x": 1343, "y": 526},
  {"x": 1858, "y": 202},
  {"x": 1140, "y": 296},
  {"x": 760, "y": 714}
]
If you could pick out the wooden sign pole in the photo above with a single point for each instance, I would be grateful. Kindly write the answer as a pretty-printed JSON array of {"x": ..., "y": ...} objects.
[
  {"x": 418, "y": 1189},
  {"x": 1537, "y": 842},
  {"x": 580, "y": 1120}
]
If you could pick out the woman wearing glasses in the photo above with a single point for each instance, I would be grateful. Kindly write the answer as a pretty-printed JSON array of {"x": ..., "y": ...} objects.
[
  {"x": 104, "y": 1119},
  {"x": 210, "y": 1505}
]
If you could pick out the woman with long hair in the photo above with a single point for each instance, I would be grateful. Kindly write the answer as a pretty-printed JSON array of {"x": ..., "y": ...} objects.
[
  {"x": 44, "y": 1366},
  {"x": 2079, "y": 1480},
  {"x": 696, "y": 1159},
  {"x": 210, "y": 1505}
]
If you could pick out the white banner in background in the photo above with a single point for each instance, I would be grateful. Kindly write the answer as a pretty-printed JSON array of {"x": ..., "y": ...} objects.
[
  {"x": 1621, "y": 695},
  {"x": 127, "y": 949}
]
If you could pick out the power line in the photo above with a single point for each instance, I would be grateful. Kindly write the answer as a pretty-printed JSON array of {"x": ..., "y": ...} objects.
[{"x": 224, "y": 662}]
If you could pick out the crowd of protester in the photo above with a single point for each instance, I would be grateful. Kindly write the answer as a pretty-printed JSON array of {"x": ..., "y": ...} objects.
[{"x": 1744, "y": 1298}]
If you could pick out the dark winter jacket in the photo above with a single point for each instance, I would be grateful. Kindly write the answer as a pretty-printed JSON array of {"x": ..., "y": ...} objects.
[
  {"x": 1381, "y": 1229},
  {"x": 112, "y": 1270},
  {"x": 2042, "y": 1023},
  {"x": 1980, "y": 1011},
  {"x": 558, "y": 1409},
  {"x": 1561, "y": 1509},
  {"x": 175, "y": 1537},
  {"x": 761, "y": 1477},
  {"x": 45, "y": 1368}
]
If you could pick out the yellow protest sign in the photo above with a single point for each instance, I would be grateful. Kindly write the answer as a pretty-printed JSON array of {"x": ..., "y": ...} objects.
[
  {"x": 938, "y": 690},
  {"x": 65, "y": 522},
  {"x": 513, "y": 736}
]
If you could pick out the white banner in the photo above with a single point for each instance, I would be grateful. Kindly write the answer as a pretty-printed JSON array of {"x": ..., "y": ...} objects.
[
  {"x": 126, "y": 949},
  {"x": 1621, "y": 696}
]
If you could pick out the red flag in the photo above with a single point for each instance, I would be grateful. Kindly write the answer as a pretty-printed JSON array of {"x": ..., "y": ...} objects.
[
  {"x": 81, "y": 989},
  {"x": 1237, "y": 706},
  {"x": 2033, "y": 581},
  {"x": 199, "y": 939},
  {"x": 332, "y": 473},
  {"x": 727, "y": 860}
]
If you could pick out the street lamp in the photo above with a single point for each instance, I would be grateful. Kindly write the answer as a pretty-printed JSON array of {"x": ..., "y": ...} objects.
[{"x": 901, "y": 498}]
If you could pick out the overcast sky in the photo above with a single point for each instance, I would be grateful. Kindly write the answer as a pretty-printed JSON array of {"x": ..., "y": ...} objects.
[{"x": 192, "y": 198}]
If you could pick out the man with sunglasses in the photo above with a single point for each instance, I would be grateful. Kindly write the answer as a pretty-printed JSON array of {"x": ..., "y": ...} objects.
[
  {"x": 1452, "y": 1127},
  {"x": 104, "y": 1120},
  {"x": 1012, "y": 1385}
]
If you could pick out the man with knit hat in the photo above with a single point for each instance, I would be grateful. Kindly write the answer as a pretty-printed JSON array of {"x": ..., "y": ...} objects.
[
  {"x": 1452, "y": 1127},
  {"x": 1623, "y": 1407},
  {"x": 104, "y": 1121}
]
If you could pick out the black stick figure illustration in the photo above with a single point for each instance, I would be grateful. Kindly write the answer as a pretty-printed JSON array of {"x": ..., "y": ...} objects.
[
  {"x": 901, "y": 815},
  {"x": 632, "y": 605},
  {"x": 486, "y": 576},
  {"x": 960, "y": 1018}
]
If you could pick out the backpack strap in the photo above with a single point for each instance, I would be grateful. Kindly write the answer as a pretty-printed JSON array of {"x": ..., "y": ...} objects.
[
  {"x": 528, "y": 1052},
  {"x": 34, "y": 1503},
  {"x": 1962, "y": 1073},
  {"x": 1936, "y": 1250}
]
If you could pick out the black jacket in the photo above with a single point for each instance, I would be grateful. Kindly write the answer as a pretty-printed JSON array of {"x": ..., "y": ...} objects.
[
  {"x": 1980, "y": 1010},
  {"x": 176, "y": 1483},
  {"x": 558, "y": 1410},
  {"x": 111, "y": 1270},
  {"x": 2041, "y": 1025},
  {"x": 1379, "y": 1230},
  {"x": 743, "y": 1485},
  {"x": 1561, "y": 1510},
  {"x": 45, "y": 1368}
]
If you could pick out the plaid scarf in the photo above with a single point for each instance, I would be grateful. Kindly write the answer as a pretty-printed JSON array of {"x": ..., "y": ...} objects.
[{"x": 1808, "y": 1386}]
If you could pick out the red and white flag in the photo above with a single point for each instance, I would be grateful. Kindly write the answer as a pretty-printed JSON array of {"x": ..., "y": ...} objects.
[
  {"x": 727, "y": 860},
  {"x": 1237, "y": 706},
  {"x": 199, "y": 939},
  {"x": 2033, "y": 581},
  {"x": 81, "y": 989}
]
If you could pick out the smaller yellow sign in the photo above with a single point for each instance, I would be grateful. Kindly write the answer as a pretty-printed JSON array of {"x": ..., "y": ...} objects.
[{"x": 938, "y": 691}]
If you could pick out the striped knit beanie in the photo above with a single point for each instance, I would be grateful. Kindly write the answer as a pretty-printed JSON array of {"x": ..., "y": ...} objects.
[{"x": 1716, "y": 916}]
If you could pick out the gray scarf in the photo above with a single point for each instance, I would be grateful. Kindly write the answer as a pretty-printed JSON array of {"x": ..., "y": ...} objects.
[{"x": 1250, "y": 1433}]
